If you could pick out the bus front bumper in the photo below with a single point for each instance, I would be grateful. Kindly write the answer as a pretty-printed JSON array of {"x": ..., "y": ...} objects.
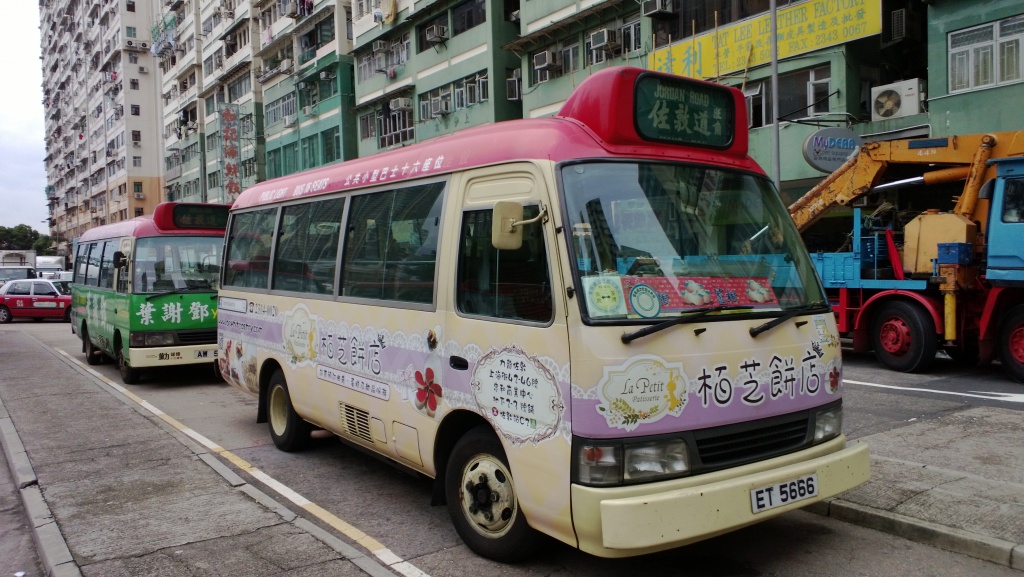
[
  {"x": 639, "y": 519},
  {"x": 145, "y": 357}
]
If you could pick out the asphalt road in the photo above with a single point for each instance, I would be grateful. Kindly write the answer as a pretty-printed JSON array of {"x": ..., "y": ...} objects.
[{"x": 393, "y": 506}]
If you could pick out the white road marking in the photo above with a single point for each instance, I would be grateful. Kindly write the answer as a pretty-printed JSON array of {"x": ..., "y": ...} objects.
[
  {"x": 385, "y": 555},
  {"x": 990, "y": 396}
]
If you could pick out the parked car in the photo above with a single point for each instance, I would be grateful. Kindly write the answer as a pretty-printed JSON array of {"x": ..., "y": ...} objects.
[{"x": 35, "y": 299}]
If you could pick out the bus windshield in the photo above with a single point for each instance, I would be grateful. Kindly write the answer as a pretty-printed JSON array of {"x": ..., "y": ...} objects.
[
  {"x": 660, "y": 240},
  {"x": 177, "y": 263}
]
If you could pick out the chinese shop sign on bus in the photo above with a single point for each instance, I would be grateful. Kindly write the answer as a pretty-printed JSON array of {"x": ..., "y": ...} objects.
[
  {"x": 230, "y": 151},
  {"x": 802, "y": 27}
]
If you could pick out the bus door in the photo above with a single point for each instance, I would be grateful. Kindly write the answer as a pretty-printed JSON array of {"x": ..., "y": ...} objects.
[{"x": 512, "y": 352}]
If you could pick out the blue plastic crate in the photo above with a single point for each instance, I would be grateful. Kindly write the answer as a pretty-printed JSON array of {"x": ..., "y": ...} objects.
[{"x": 954, "y": 253}]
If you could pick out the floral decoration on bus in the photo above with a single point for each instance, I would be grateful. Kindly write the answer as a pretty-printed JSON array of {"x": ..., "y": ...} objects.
[{"x": 518, "y": 395}]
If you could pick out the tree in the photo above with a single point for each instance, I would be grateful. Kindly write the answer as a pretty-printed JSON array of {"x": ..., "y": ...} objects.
[
  {"x": 42, "y": 246},
  {"x": 21, "y": 237}
]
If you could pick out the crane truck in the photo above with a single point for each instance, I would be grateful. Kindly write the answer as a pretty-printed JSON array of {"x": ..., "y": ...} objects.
[{"x": 934, "y": 264}]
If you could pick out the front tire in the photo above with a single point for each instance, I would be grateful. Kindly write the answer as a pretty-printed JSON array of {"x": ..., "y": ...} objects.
[
  {"x": 1011, "y": 344},
  {"x": 482, "y": 499},
  {"x": 289, "y": 432},
  {"x": 129, "y": 375},
  {"x": 904, "y": 338},
  {"x": 5, "y": 315}
]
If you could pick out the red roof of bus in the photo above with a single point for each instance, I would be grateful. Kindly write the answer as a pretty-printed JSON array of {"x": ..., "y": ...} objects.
[
  {"x": 145, "y": 225},
  {"x": 582, "y": 129}
]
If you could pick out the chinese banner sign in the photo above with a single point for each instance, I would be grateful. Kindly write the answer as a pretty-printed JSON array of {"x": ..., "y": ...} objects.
[
  {"x": 229, "y": 154},
  {"x": 802, "y": 27}
]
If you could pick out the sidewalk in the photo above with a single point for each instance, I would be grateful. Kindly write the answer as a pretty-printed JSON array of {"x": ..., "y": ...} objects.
[
  {"x": 111, "y": 491},
  {"x": 956, "y": 482}
]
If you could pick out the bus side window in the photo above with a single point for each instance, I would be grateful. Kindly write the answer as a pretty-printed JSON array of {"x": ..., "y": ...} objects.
[
  {"x": 307, "y": 249},
  {"x": 81, "y": 263},
  {"x": 107, "y": 265},
  {"x": 92, "y": 273},
  {"x": 507, "y": 284},
  {"x": 249, "y": 249}
]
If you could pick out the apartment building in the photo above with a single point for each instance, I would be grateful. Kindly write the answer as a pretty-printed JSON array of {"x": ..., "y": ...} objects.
[
  {"x": 102, "y": 113},
  {"x": 216, "y": 95}
]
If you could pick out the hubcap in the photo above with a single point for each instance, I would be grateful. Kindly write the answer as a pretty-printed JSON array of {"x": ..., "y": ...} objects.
[
  {"x": 488, "y": 497},
  {"x": 3, "y": 315},
  {"x": 278, "y": 411},
  {"x": 895, "y": 336},
  {"x": 1017, "y": 344}
]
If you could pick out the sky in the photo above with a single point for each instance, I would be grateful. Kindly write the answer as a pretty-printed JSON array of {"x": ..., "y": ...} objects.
[{"x": 22, "y": 146}]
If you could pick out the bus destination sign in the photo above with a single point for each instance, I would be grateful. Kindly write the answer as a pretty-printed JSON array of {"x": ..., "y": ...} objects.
[
  {"x": 200, "y": 215},
  {"x": 681, "y": 111}
]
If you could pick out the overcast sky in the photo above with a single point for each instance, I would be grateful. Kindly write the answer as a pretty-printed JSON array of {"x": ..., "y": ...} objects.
[{"x": 22, "y": 148}]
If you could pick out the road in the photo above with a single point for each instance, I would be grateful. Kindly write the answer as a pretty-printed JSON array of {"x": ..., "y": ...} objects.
[{"x": 392, "y": 506}]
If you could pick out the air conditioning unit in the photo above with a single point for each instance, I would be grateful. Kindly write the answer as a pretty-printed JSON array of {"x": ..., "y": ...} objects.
[
  {"x": 302, "y": 86},
  {"x": 144, "y": 45},
  {"x": 512, "y": 89},
  {"x": 897, "y": 100},
  {"x": 514, "y": 16},
  {"x": 657, "y": 8},
  {"x": 436, "y": 33},
  {"x": 309, "y": 110},
  {"x": 400, "y": 104},
  {"x": 139, "y": 196},
  {"x": 130, "y": 43},
  {"x": 286, "y": 66},
  {"x": 606, "y": 39},
  {"x": 545, "y": 59},
  {"x": 289, "y": 120},
  {"x": 380, "y": 46},
  {"x": 440, "y": 107},
  {"x": 325, "y": 75},
  {"x": 137, "y": 143},
  {"x": 227, "y": 13},
  {"x": 143, "y": 70}
]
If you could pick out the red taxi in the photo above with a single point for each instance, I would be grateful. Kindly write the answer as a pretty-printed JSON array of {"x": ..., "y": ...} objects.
[{"x": 36, "y": 299}]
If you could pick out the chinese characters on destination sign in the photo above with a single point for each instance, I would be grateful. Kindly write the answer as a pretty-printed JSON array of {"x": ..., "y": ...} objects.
[{"x": 683, "y": 113}]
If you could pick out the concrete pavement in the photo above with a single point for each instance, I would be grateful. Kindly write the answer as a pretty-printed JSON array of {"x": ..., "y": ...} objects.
[{"x": 110, "y": 490}]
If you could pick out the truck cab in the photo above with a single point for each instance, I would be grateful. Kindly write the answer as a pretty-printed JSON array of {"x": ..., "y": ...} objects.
[{"x": 1006, "y": 223}]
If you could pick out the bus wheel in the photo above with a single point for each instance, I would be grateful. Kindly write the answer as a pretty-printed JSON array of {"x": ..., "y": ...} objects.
[
  {"x": 903, "y": 337},
  {"x": 287, "y": 429},
  {"x": 129, "y": 375},
  {"x": 5, "y": 315},
  {"x": 482, "y": 499},
  {"x": 93, "y": 356},
  {"x": 1011, "y": 344}
]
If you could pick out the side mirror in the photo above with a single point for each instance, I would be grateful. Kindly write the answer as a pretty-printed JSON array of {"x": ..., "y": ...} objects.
[
  {"x": 505, "y": 234},
  {"x": 119, "y": 260}
]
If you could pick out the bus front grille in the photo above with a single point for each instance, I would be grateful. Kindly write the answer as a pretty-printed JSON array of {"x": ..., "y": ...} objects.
[
  {"x": 744, "y": 446},
  {"x": 197, "y": 337}
]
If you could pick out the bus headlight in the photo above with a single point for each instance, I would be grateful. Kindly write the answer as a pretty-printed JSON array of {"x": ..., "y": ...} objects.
[
  {"x": 828, "y": 424},
  {"x": 609, "y": 464},
  {"x": 151, "y": 339}
]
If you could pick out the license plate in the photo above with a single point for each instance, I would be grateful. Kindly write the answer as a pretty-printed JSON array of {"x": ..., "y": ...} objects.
[
  {"x": 45, "y": 305},
  {"x": 779, "y": 494}
]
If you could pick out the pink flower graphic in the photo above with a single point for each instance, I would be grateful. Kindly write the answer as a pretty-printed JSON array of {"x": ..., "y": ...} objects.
[
  {"x": 833, "y": 380},
  {"x": 427, "y": 392}
]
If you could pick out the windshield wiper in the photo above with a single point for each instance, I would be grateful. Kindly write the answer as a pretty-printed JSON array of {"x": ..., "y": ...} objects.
[
  {"x": 819, "y": 306},
  {"x": 690, "y": 316}
]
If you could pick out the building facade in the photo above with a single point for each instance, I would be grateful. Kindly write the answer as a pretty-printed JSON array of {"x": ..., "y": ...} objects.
[
  {"x": 216, "y": 95},
  {"x": 102, "y": 114}
]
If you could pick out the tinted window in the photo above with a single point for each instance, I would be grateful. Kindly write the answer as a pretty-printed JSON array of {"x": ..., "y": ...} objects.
[
  {"x": 42, "y": 288},
  {"x": 509, "y": 284},
  {"x": 249, "y": 243},
  {"x": 19, "y": 288},
  {"x": 1013, "y": 201},
  {"x": 307, "y": 250},
  {"x": 107, "y": 265},
  {"x": 391, "y": 244}
]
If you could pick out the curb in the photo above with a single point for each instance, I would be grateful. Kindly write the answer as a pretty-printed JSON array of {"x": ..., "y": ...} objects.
[
  {"x": 54, "y": 554},
  {"x": 959, "y": 541},
  {"x": 50, "y": 544}
]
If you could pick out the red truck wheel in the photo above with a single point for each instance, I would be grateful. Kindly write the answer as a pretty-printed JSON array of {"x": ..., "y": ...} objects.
[
  {"x": 903, "y": 336},
  {"x": 1011, "y": 344}
]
